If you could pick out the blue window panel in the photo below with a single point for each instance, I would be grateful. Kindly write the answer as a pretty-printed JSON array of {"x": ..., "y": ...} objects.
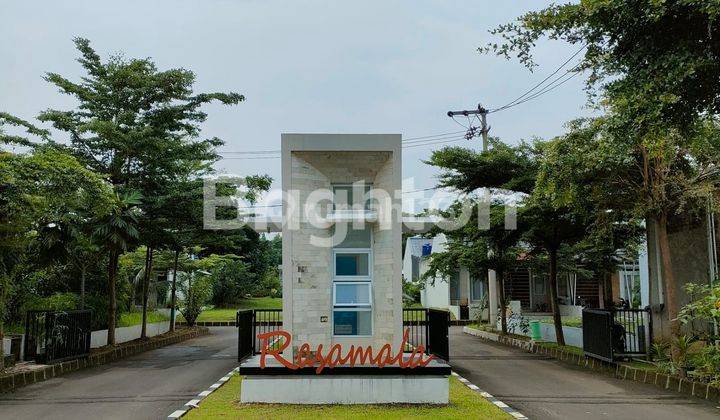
[
  {"x": 351, "y": 264},
  {"x": 352, "y": 294},
  {"x": 352, "y": 322}
]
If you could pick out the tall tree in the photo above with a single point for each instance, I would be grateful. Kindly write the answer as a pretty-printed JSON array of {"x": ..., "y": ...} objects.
[
  {"x": 141, "y": 127},
  {"x": 655, "y": 65},
  {"x": 39, "y": 188},
  {"x": 656, "y": 176},
  {"x": 480, "y": 245},
  {"x": 117, "y": 231},
  {"x": 515, "y": 169}
]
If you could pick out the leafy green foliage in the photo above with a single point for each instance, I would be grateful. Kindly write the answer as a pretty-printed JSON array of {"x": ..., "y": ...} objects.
[
  {"x": 231, "y": 282},
  {"x": 196, "y": 291},
  {"x": 704, "y": 306},
  {"x": 662, "y": 56},
  {"x": 56, "y": 302}
]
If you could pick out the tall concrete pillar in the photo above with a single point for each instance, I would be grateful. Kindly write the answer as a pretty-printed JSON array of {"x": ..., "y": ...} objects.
[{"x": 492, "y": 297}]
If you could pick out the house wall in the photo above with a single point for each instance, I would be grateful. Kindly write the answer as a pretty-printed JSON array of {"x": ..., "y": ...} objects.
[
  {"x": 435, "y": 294},
  {"x": 315, "y": 161},
  {"x": 689, "y": 256}
]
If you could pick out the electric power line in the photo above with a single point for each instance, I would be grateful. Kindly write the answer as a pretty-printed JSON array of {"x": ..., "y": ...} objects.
[
  {"x": 411, "y": 140},
  {"x": 507, "y": 105},
  {"x": 429, "y": 142}
]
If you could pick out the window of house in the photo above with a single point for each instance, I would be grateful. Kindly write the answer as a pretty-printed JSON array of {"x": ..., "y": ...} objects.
[
  {"x": 562, "y": 285},
  {"x": 454, "y": 288},
  {"x": 352, "y": 264},
  {"x": 630, "y": 287},
  {"x": 352, "y": 321},
  {"x": 477, "y": 289},
  {"x": 352, "y": 283}
]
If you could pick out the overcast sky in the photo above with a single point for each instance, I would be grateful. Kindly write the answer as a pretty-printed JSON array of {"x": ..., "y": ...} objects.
[{"x": 304, "y": 66}]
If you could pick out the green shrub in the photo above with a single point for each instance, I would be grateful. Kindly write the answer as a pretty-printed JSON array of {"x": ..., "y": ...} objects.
[
  {"x": 270, "y": 284},
  {"x": 411, "y": 291},
  {"x": 99, "y": 306},
  {"x": 55, "y": 302},
  {"x": 196, "y": 292},
  {"x": 231, "y": 282}
]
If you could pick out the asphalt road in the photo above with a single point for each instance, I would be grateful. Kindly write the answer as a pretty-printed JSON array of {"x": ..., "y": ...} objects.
[
  {"x": 150, "y": 385},
  {"x": 154, "y": 384},
  {"x": 542, "y": 388}
]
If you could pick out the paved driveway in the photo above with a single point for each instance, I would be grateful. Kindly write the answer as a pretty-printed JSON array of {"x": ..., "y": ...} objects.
[
  {"x": 150, "y": 385},
  {"x": 542, "y": 388}
]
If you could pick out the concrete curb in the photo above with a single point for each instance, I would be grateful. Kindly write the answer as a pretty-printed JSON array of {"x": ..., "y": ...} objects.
[
  {"x": 14, "y": 381},
  {"x": 210, "y": 324},
  {"x": 501, "y": 405},
  {"x": 681, "y": 385},
  {"x": 196, "y": 401}
]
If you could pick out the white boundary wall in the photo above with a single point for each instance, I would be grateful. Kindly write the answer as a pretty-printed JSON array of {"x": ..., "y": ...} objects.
[{"x": 124, "y": 334}]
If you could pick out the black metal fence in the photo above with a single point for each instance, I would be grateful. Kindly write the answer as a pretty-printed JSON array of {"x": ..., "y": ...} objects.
[
  {"x": 265, "y": 321},
  {"x": 427, "y": 327},
  {"x": 252, "y": 322},
  {"x": 244, "y": 324},
  {"x": 415, "y": 320},
  {"x": 613, "y": 334},
  {"x": 56, "y": 336}
]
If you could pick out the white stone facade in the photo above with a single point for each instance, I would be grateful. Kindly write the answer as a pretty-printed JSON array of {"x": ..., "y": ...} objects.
[{"x": 314, "y": 162}]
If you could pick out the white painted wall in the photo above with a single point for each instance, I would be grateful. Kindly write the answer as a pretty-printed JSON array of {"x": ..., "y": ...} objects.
[
  {"x": 435, "y": 295},
  {"x": 644, "y": 275},
  {"x": 573, "y": 335},
  {"x": 122, "y": 335},
  {"x": 125, "y": 334},
  {"x": 346, "y": 389}
]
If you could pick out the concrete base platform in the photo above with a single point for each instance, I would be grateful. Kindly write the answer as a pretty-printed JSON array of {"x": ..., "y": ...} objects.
[
  {"x": 346, "y": 389},
  {"x": 361, "y": 384}
]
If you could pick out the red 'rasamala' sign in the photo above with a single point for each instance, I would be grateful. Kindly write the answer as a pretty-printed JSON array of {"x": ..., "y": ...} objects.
[{"x": 335, "y": 357}]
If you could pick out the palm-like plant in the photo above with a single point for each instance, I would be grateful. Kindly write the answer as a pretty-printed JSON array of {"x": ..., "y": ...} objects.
[{"x": 116, "y": 232}]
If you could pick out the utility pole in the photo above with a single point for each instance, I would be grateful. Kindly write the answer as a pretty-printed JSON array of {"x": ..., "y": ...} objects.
[{"x": 484, "y": 128}]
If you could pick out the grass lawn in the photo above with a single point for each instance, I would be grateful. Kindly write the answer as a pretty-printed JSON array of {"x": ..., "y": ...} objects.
[
  {"x": 571, "y": 349},
  {"x": 129, "y": 319},
  {"x": 464, "y": 403},
  {"x": 638, "y": 364},
  {"x": 567, "y": 321},
  {"x": 228, "y": 314}
]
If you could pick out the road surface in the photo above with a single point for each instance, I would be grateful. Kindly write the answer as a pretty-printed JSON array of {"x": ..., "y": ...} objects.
[
  {"x": 150, "y": 385},
  {"x": 543, "y": 388}
]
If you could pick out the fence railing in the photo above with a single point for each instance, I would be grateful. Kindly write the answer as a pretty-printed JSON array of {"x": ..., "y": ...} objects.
[
  {"x": 416, "y": 321},
  {"x": 427, "y": 327},
  {"x": 265, "y": 321},
  {"x": 612, "y": 334},
  {"x": 55, "y": 336}
]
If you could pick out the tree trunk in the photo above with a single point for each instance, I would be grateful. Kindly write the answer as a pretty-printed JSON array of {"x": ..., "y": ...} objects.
[
  {"x": 2, "y": 347},
  {"x": 671, "y": 301},
  {"x": 557, "y": 320},
  {"x": 112, "y": 308},
  {"x": 607, "y": 292},
  {"x": 173, "y": 292},
  {"x": 503, "y": 305},
  {"x": 82, "y": 287},
  {"x": 146, "y": 286}
]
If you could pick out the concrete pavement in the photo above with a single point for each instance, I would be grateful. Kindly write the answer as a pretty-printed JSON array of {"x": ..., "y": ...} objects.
[
  {"x": 542, "y": 388},
  {"x": 150, "y": 385}
]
